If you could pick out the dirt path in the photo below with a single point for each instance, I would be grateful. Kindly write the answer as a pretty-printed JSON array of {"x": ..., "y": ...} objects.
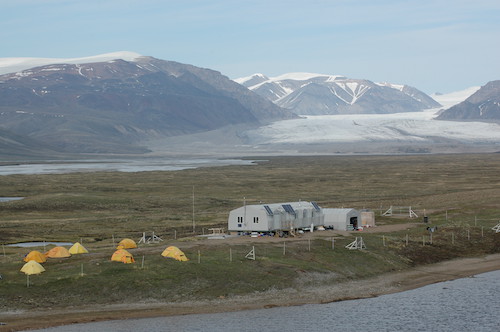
[{"x": 383, "y": 284}]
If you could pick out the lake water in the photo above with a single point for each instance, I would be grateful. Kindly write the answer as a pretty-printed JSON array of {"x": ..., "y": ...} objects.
[
  {"x": 38, "y": 244},
  {"x": 128, "y": 165},
  {"x": 469, "y": 304},
  {"x": 8, "y": 199}
]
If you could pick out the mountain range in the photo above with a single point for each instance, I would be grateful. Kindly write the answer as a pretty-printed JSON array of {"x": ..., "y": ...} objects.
[
  {"x": 125, "y": 103},
  {"x": 115, "y": 105},
  {"x": 318, "y": 94}
]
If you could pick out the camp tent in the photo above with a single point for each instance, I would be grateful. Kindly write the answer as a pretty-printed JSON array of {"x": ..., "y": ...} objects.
[
  {"x": 122, "y": 255},
  {"x": 126, "y": 244},
  {"x": 35, "y": 256},
  {"x": 175, "y": 253},
  {"x": 32, "y": 267},
  {"x": 58, "y": 252},
  {"x": 77, "y": 248}
]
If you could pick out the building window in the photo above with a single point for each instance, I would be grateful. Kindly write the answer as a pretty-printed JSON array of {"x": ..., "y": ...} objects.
[{"x": 255, "y": 220}]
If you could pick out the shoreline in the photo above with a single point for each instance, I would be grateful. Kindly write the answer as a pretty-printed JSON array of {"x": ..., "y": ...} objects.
[{"x": 387, "y": 283}]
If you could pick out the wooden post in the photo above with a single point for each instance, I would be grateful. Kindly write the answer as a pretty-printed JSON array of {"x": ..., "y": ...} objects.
[
  {"x": 142, "y": 263},
  {"x": 194, "y": 226},
  {"x": 431, "y": 237},
  {"x": 199, "y": 257},
  {"x": 27, "y": 280},
  {"x": 333, "y": 243},
  {"x": 452, "y": 238},
  {"x": 309, "y": 240},
  {"x": 284, "y": 248},
  {"x": 175, "y": 234},
  {"x": 406, "y": 239},
  {"x": 383, "y": 240},
  {"x": 230, "y": 255},
  {"x": 468, "y": 234},
  {"x": 81, "y": 271}
]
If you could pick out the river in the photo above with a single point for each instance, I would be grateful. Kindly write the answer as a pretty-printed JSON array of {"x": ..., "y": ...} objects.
[
  {"x": 469, "y": 304},
  {"x": 125, "y": 165}
]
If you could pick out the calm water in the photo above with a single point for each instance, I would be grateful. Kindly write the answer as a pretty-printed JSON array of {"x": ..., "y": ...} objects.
[
  {"x": 142, "y": 165},
  {"x": 470, "y": 304},
  {"x": 39, "y": 244}
]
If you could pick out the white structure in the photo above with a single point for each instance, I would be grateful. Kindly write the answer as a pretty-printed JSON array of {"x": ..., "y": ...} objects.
[
  {"x": 342, "y": 219},
  {"x": 275, "y": 217},
  {"x": 356, "y": 244},
  {"x": 367, "y": 218},
  {"x": 400, "y": 211}
]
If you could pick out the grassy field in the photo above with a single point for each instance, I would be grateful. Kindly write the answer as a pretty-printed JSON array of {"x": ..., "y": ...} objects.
[{"x": 459, "y": 193}]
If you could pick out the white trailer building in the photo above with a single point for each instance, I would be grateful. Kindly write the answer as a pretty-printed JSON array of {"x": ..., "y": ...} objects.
[
  {"x": 275, "y": 217},
  {"x": 342, "y": 219}
]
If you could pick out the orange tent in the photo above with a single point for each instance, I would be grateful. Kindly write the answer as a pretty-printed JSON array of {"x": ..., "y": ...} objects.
[
  {"x": 122, "y": 255},
  {"x": 35, "y": 256},
  {"x": 58, "y": 252},
  {"x": 175, "y": 253},
  {"x": 126, "y": 244}
]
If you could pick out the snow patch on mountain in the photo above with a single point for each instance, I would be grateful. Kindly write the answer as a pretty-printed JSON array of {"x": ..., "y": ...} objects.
[{"x": 12, "y": 65}]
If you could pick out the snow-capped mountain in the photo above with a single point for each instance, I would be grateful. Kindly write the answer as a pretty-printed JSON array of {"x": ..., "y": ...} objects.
[
  {"x": 116, "y": 105},
  {"x": 12, "y": 65},
  {"x": 483, "y": 105},
  {"x": 319, "y": 94},
  {"x": 382, "y": 133}
]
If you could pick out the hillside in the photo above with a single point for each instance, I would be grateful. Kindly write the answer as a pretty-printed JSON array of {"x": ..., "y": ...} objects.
[
  {"x": 318, "y": 94},
  {"x": 113, "y": 106},
  {"x": 483, "y": 105}
]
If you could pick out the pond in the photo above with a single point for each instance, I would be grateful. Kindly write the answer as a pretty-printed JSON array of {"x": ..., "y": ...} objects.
[
  {"x": 39, "y": 244},
  {"x": 8, "y": 199}
]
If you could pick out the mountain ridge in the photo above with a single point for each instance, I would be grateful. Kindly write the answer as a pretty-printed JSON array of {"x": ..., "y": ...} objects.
[
  {"x": 482, "y": 105},
  {"x": 322, "y": 94},
  {"x": 113, "y": 106}
]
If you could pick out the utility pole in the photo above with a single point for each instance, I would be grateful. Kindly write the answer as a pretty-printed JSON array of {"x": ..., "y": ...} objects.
[{"x": 194, "y": 226}]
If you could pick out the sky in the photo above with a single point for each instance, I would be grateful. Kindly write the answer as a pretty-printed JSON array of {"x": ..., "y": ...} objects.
[{"x": 433, "y": 45}]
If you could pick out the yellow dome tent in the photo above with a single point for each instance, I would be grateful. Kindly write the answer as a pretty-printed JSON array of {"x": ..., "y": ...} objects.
[
  {"x": 77, "y": 248},
  {"x": 175, "y": 253},
  {"x": 58, "y": 252},
  {"x": 35, "y": 256},
  {"x": 122, "y": 255},
  {"x": 126, "y": 244},
  {"x": 32, "y": 267}
]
